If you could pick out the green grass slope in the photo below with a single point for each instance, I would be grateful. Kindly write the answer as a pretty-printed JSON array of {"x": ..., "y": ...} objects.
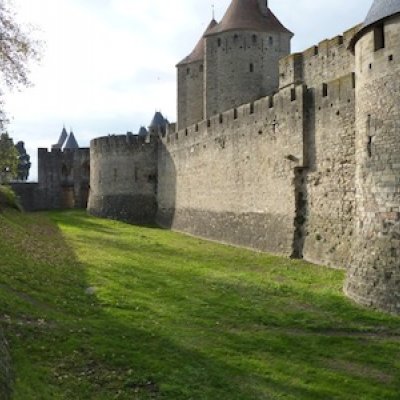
[{"x": 97, "y": 309}]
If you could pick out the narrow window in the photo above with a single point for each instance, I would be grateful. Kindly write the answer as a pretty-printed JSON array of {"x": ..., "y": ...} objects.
[
  {"x": 201, "y": 68},
  {"x": 270, "y": 102},
  {"x": 369, "y": 146},
  {"x": 251, "y": 108},
  {"x": 254, "y": 38},
  {"x": 221, "y": 119},
  {"x": 251, "y": 67},
  {"x": 187, "y": 71},
  {"x": 219, "y": 42},
  {"x": 379, "y": 37},
  {"x": 324, "y": 90},
  {"x": 235, "y": 114},
  {"x": 271, "y": 40},
  {"x": 292, "y": 94},
  {"x": 235, "y": 37}
]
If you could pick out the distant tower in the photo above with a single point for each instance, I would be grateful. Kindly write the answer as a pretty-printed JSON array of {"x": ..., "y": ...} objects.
[
  {"x": 158, "y": 125},
  {"x": 63, "y": 137},
  {"x": 71, "y": 143},
  {"x": 191, "y": 82},
  {"x": 242, "y": 56},
  {"x": 374, "y": 274}
]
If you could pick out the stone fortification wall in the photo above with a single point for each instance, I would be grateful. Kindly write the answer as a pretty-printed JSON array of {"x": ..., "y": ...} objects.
[
  {"x": 329, "y": 187},
  {"x": 232, "y": 178},
  {"x": 320, "y": 64},
  {"x": 29, "y": 195},
  {"x": 63, "y": 178},
  {"x": 241, "y": 67},
  {"x": 190, "y": 93},
  {"x": 5, "y": 369},
  {"x": 123, "y": 178},
  {"x": 374, "y": 274}
]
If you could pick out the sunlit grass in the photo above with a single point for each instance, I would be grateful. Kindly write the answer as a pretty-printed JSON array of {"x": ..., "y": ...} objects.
[{"x": 97, "y": 309}]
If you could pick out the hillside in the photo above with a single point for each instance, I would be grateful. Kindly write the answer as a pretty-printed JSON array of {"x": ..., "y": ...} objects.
[{"x": 97, "y": 309}]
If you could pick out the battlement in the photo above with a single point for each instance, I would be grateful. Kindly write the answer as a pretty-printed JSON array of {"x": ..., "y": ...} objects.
[
  {"x": 56, "y": 151},
  {"x": 121, "y": 143},
  {"x": 326, "y": 61},
  {"x": 287, "y": 102}
]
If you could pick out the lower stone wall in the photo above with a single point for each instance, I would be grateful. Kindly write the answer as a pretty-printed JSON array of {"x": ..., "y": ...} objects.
[
  {"x": 136, "y": 209},
  {"x": 30, "y": 196},
  {"x": 5, "y": 369},
  {"x": 232, "y": 178},
  {"x": 265, "y": 232}
]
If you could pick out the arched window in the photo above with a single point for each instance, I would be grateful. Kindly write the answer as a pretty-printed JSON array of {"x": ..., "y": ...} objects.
[{"x": 219, "y": 42}]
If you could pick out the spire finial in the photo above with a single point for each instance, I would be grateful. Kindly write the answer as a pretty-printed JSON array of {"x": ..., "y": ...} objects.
[{"x": 213, "y": 10}]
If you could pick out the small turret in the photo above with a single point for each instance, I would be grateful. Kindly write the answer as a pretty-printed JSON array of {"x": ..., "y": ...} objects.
[
  {"x": 63, "y": 137},
  {"x": 191, "y": 82},
  {"x": 158, "y": 124},
  {"x": 71, "y": 144}
]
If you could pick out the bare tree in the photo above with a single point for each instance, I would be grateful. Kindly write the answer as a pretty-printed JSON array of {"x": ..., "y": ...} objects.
[{"x": 17, "y": 50}]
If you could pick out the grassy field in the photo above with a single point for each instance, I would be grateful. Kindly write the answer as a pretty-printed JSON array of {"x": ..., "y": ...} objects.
[{"x": 97, "y": 309}]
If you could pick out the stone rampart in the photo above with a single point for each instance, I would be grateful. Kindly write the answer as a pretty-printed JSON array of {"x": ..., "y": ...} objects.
[
  {"x": 231, "y": 178},
  {"x": 327, "y": 61},
  {"x": 328, "y": 189},
  {"x": 123, "y": 178}
]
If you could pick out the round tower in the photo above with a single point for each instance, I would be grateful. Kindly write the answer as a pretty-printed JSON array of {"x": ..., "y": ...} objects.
[
  {"x": 190, "y": 84},
  {"x": 242, "y": 56},
  {"x": 123, "y": 178},
  {"x": 374, "y": 274}
]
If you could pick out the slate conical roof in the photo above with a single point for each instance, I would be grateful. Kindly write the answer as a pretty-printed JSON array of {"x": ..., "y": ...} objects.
[
  {"x": 158, "y": 121},
  {"x": 379, "y": 11},
  {"x": 143, "y": 131},
  {"x": 71, "y": 144},
  {"x": 198, "y": 52},
  {"x": 247, "y": 15},
  {"x": 382, "y": 9},
  {"x": 62, "y": 139}
]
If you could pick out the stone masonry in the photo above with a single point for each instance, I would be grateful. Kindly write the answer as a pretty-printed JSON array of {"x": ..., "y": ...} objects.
[{"x": 291, "y": 154}]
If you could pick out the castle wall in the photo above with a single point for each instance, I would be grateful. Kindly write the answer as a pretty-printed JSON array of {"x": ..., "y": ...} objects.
[
  {"x": 328, "y": 189},
  {"x": 123, "y": 178},
  {"x": 29, "y": 195},
  {"x": 241, "y": 67},
  {"x": 63, "y": 178},
  {"x": 231, "y": 178},
  {"x": 190, "y": 93},
  {"x": 320, "y": 64},
  {"x": 374, "y": 274}
]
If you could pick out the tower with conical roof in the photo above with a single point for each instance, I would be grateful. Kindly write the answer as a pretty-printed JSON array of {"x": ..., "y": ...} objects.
[
  {"x": 61, "y": 141},
  {"x": 191, "y": 82},
  {"x": 374, "y": 274},
  {"x": 242, "y": 56}
]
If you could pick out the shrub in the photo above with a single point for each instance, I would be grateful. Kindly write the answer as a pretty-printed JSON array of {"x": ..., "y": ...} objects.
[{"x": 8, "y": 199}]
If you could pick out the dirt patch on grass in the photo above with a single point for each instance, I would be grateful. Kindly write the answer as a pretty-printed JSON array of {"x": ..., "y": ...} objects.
[{"x": 359, "y": 370}]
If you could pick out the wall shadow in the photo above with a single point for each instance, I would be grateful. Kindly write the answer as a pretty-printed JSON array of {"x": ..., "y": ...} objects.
[{"x": 153, "y": 327}]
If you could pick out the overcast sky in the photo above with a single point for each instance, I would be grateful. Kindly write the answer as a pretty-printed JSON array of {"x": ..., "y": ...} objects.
[{"x": 109, "y": 64}]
